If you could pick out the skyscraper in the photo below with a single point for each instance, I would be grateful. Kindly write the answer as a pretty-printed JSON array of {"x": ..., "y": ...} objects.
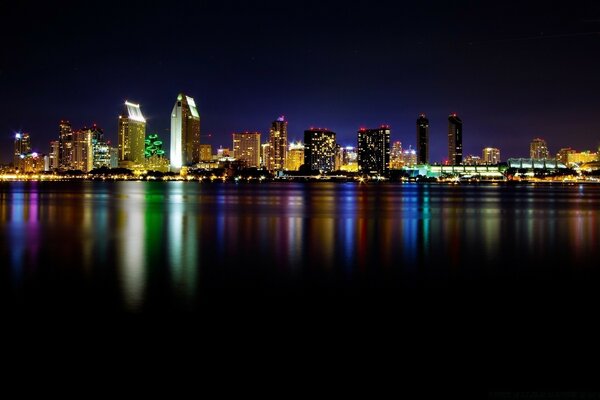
[
  {"x": 246, "y": 147},
  {"x": 265, "y": 154},
  {"x": 490, "y": 156},
  {"x": 22, "y": 148},
  {"x": 374, "y": 150},
  {"x": 100, "y": 148},
  {"x": 396, "y": 159},
  {"x": 132, "y": 136},
  {"x": 54, "y": 154},
  {"x": 349, "y": 157},
  {"x": 455, "y": 133},
  {"x": 409, "y": 156},
  {"x": 538, "y": 149},
  {"x": 422, "y": 140},
  {"x": 185, "y": 132},
  {"x": 278, "y": 145},
  {"x": 319, "y": 149},
  {"x": 83, "y": 154},
  {"x": 295, "y": 156},
  {"x": 65, "y": 143}
]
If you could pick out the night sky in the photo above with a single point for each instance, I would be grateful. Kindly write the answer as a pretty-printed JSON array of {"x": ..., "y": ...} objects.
[{"x": 511, "y": 70}]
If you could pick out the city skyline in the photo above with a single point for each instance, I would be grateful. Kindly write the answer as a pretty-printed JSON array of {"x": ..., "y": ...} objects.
[
  {"x": 506, "y": 81},
  {"x": 132, "y": 111}
]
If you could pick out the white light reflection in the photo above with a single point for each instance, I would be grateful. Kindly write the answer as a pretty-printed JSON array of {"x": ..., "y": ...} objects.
[
  {"x": 130, "y": 251},
  {"x": 182, "y": 250}
]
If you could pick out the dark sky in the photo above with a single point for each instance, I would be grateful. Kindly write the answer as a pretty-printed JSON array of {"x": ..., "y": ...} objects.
[{"x": 511, "y": 70}]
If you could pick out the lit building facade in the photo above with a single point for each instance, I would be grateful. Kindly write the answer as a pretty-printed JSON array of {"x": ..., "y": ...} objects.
[
  {"x": 185, "y": 132},
  {"x": 563, "y": 154},
  {"x": 422, "y": 140},
  {"x": 83, "y": 153},
  {"x": 374, "y": 150},
  {"x": 455, "y": 140},
  {"x": 102, "y": 155},
  {"x": 295, "y": 156},
  {"x": 278, "y": 145},
  {"x": 32, "y": 163},
  {"x": 22, "y": 149},
  {"x": 319, "y": 149},
  {"x": 114, "y": 157},
  {"x": 54, "y": 154},
  {"x": 246, "y": 147},
  {"x": 538, "y": 149},
  {"x": 409, "y": 157},
  {"x": 223, "y": 152},
  {"x": 132, "y": 136},
  {"x": 100, "y": 148},
  {"x": 472, "y": 160},
  {"x": 265, "y": 151},
  {"x": 65, "y": 139},
  {"x": 205, "y": 152},
  {"x": 349, "y": 159},
  {"x": 490, "y": 156},
  {"x": 581, "y": 158},
  {"x": 338, "y": 159},
  {"x": 396, "y": 158}
]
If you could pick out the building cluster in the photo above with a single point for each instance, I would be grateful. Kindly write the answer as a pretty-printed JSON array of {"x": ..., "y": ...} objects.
[{"x": 86, "y": 148}]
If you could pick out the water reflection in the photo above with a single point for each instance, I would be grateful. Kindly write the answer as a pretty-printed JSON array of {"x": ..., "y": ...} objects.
[
  {"x": 183, "y": 247},
  {"x": 130, "y": 243},
  {"x": 154, "y": 245}
]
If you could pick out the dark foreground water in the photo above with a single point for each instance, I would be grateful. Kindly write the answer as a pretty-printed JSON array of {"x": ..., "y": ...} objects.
[{"x": 501, "y": 279}]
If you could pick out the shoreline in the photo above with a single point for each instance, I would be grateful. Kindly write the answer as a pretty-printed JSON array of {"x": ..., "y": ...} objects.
[{"x": 303, "y": 180}]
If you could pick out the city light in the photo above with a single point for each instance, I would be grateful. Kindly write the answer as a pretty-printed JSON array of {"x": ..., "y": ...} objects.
[{"x": 134, "y": 112}]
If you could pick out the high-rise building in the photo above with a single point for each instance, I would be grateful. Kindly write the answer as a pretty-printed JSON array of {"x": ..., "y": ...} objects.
[
  {"x": 538, "y": 149},
  {"x": 396, "y": 158},
  {"x": 185, "y": 132},
  {"x": 246, "y": 147},
  {"x": 422, "y": 140},
  {"x": 265, "y": 153},
  {"x": 132, "y": 136},
  {"x": 100, "y": 148},
  {"x": 490, "y": 156},
  {"x": 83, "y": 153},
  {"x": 102, "y": 155},
  {"x": 374, "y": 150},
  {"x": 32, "y": 162},
  {"x": 295, "y": 156},
  {"x": 338, "y": 159},
  {"x": 319, "y": 149},
  {"x": 409, "y": 157},
  {"x": 114, "y": 157},
  {"x": 349, "y": 159},
  {"x": 54, "y": 154},
  {"x": 278, "y": 135},
  {"x": 455, "y": 136},
  {"x": 65, "y": 140},
  {"x": 22, "y": 149},
  {"x": 205, "y": 152}
]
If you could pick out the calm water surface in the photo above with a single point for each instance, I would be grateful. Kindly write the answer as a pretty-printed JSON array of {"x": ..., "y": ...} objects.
[
  {"x": 151, "y": 246},
  {"x": 479, "y": 283}
]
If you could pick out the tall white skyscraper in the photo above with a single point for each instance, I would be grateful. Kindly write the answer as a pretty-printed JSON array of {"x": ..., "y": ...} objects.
[{"x": 185, "y": 132}]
